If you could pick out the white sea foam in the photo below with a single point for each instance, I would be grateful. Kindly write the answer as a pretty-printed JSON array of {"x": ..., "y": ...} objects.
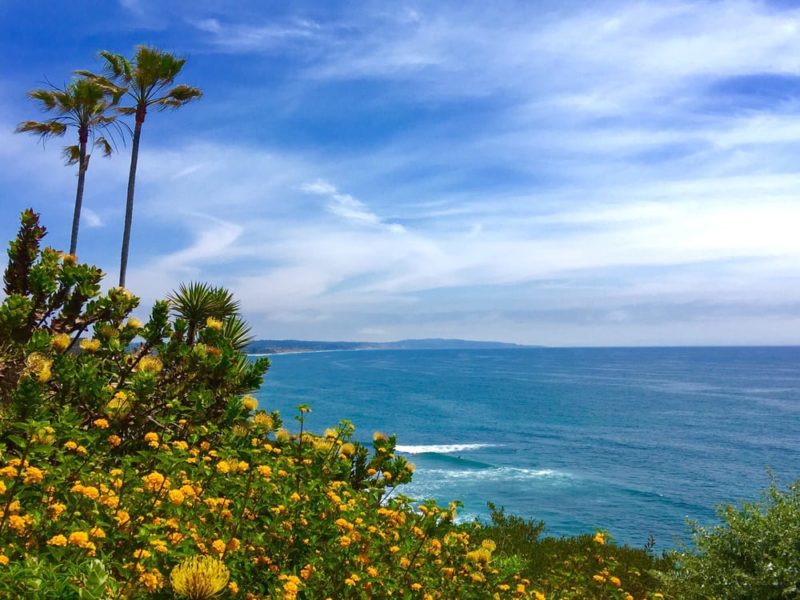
[
  {"x": 441, "y": 448},
  {"x": 494, "y": 474}
]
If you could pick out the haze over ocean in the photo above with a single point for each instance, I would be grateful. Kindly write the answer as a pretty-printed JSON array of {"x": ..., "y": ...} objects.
[{"x": 631, "y": 439}]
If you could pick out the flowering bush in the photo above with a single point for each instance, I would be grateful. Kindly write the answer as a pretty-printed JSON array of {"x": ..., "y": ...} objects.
[{"x": 134, "y": 465}]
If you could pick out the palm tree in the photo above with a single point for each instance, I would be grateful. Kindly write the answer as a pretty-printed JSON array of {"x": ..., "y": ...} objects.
[
  {"x": 146, "y": 81},
  {"x": 82, "y": 104}
]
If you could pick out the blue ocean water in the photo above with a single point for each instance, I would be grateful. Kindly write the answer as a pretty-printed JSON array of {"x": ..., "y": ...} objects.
[{"x": 630, "y": 440}]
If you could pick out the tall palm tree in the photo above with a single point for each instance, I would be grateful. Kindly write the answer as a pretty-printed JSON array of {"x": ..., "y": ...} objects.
[
  {"x": 84, "y": 105},
  {"x": 147, "y": 81}
]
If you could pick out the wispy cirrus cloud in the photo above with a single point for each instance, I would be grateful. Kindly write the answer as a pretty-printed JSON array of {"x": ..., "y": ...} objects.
[
  {"x": 563, "y": 172},
  {"x": 347, "y": 207}
]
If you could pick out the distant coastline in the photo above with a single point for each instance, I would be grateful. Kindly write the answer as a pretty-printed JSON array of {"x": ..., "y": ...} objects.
[{"x": 304, "y": 346}]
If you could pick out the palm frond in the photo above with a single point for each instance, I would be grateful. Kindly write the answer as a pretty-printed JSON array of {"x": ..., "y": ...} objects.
[
  {"x": 44, "y": 129},
  {"x": 84, "y": 104},
  {"x": 104, "y": 145},
  {"x": 178, "y": 96},
  {"x": 46, "y": 97},
  {"x": 72, "y": 154}
]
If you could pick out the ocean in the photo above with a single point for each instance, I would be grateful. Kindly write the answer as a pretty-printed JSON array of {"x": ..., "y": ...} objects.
[{"x": 632, "y": 440}]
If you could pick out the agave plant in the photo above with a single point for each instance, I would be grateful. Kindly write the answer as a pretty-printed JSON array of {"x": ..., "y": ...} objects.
[{"x": 196, "y": 302}]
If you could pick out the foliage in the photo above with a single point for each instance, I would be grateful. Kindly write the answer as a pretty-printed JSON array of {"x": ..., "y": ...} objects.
[
  {"x": 134, "y": 465},
  {"x": 580, "y": 567},
  {"x": 146, "y": 80},
  {"x": 83, "y": 104},
  {"x": 753, "y": 553}
]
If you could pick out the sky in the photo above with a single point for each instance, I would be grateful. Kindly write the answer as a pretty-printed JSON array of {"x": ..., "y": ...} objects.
[{"x": 566, "y": 173}]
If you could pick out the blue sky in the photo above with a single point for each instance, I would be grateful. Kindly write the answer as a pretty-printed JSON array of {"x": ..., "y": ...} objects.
[{"x": 561, "y": 173}]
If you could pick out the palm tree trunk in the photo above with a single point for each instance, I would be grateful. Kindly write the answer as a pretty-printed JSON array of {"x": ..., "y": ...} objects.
[
  {"x": 76, "y": 216},
  {"x": 126, "y": 234}
]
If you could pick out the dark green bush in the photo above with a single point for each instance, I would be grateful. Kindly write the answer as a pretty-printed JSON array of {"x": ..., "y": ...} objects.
[{"x": 754, "y": 554}]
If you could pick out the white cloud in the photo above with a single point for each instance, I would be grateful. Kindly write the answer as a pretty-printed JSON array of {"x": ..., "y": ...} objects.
[
  {"x": 91, "y": 218},
  {"x": 347, "y": 207}
]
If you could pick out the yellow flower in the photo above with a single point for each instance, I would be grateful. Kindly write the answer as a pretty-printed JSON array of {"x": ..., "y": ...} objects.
[
  {"x": 114, "y": 440},
  {"x": 3, "y": 560},
  {"x": 101, "y": 423},
  {"x": 379, "y": 437},
  {"x": 615, "y": 581},
  {"x": 218, "y": 546},
  {"x": 176, "y": 497},
  {"x": 233, "y": 588},
  {"x": 154, "y": 482},
  {"x": 347, "y": 449},
  {"x": 489, "y": 545},
  {"x": 249, "y": 403},
  {"x": 60, "y": 342},
  {"x": 90, "y": 345},
  {"x": 79, "y": 538},
  {"x": 150, "y": 364},
  {"x": 133, "y": 323},
  {"x": 153, "y": 580},
  {"x": 213, "y": 323},
  {"x": 57, "y": 540},
  {"x": 39, "y": 365},
  {"x": 481, "y": 556},
  {"x": 263, "y": 420},
  {"x": 151, "y": 438},
  {"x": 223, "y": 467},
  {"x": 119, "y": 406},
  {"x": 91, "y": 492},
  {"x": 600, "y": 538},
  {"x": 55, "y": 510},
  {"x": 599, "y": 578},
  {"x": 44, "y": 436},
  {"x": 540, "y": 596},
  {"x": 32, "y": 475}
]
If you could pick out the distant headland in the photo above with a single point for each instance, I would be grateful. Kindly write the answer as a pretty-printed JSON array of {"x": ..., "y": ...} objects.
[{"x": 286, "y": 346}]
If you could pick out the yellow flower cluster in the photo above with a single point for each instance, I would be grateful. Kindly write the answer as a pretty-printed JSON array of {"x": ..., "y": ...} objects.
[{"x": 199, "y": 577}]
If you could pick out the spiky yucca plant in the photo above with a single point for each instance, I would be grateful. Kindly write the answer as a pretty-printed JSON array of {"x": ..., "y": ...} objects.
[{"x": 196, "y": 302}]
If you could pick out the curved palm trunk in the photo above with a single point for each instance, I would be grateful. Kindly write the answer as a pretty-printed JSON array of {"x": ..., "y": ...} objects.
[
  {"x": 83, "y": 164},
  {"x": 126, "y": 234}
]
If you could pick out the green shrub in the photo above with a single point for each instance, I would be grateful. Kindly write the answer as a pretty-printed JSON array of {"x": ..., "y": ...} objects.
[
  {"x": 754, "y": 554},
  {"x": 580, "y": 567}
]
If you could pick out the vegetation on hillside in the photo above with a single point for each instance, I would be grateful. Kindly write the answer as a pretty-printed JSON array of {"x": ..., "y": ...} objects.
[{"x": 134, "y": 464}]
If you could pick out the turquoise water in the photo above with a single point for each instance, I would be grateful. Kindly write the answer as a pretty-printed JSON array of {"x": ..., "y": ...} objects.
[{"x": 631, "y": 440}]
